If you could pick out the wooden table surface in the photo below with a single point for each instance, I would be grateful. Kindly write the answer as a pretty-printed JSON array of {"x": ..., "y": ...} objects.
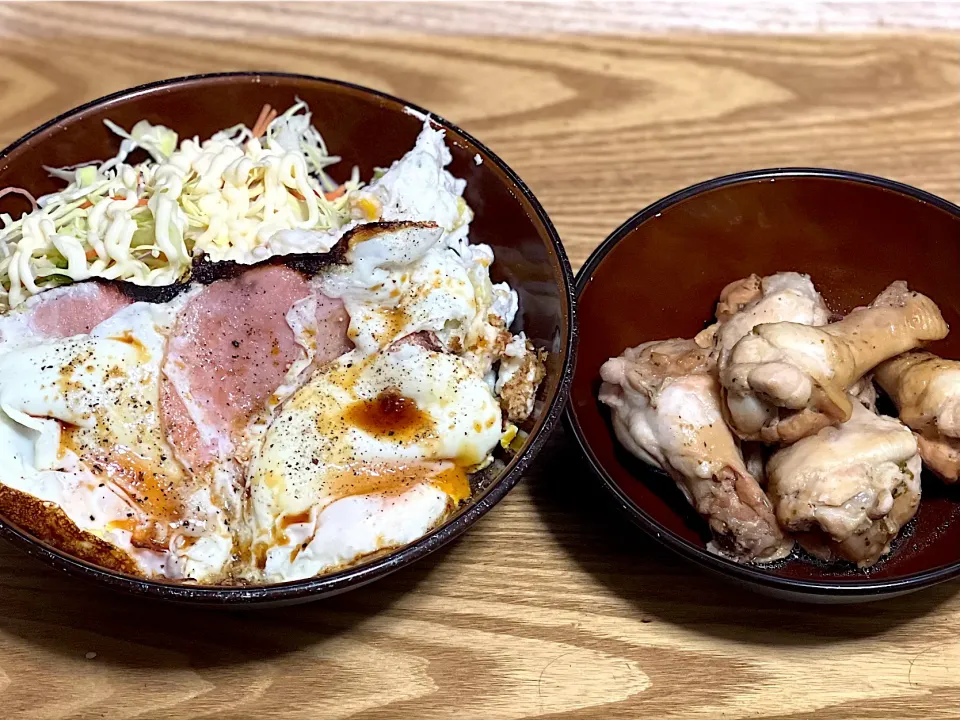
[{"x": 551, "y": 605}]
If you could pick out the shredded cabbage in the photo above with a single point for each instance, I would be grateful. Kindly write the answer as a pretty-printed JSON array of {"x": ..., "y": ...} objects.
[{"x": 225, "y": 197}]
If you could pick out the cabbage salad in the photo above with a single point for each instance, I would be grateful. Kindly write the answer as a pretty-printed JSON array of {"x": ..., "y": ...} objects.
[{"x": 245, "y": 194}]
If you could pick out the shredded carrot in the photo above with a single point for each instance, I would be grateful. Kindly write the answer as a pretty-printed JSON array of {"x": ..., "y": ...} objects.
[
  {"x": 334, "y": 194},
  {"x": 264, "y": 111},
  {"x": 267, "y": 116},
  {"x": 91, "y": 254},
  {"x": 296, "y": 193},
  {"x": 86, "y": 205},
  {"x": 142, "y": 202},
  {"x": 270, "y": 118}
]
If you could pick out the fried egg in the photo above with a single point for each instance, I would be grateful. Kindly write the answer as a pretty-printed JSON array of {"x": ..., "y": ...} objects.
[
  {"x": 405, "y": 278},
  {"x": 417, "y": 187},
  {"x": 79, "y": 427},
  {"x": 369, "y": 455}
]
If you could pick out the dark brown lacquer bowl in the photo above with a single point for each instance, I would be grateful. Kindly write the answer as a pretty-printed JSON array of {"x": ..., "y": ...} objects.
[
  {"x": 368, "y": 129},
  {"x": 659, "y": 276}
]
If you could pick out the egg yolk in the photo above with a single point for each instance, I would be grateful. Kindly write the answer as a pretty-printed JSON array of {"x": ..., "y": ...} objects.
[{"x": 369, "y": 207}]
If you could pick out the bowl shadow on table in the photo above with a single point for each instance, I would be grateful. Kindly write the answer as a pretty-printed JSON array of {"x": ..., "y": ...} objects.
[
  {"x": 662, "y": 585},
  {"x": 58, "y": 614}
]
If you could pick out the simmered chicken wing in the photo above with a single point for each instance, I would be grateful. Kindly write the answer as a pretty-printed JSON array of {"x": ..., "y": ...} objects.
[
  {"x": 746, "y": 303},
  {"x": 785, "y": 380},
  {"x": 926, "y": 391},
  {"x": 666, "y": 411},
  {"x": 848, "y": 490}
]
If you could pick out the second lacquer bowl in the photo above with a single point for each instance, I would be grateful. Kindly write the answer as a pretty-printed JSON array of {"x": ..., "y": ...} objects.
[{"x": 659, "y": 276}]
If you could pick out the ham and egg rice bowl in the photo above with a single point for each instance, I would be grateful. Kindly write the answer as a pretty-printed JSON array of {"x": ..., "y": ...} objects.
[{"x": 219, "y": 366}]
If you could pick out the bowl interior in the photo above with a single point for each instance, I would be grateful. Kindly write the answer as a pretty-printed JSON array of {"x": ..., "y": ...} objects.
[
  {"x": 367, "y": 130},
  {"x": 661, "y": 277}
]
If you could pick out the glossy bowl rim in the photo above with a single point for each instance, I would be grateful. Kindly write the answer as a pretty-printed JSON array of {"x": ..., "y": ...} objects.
[
  {"x": 350, "y": 578},
  {"x": 749, "y": 574}
]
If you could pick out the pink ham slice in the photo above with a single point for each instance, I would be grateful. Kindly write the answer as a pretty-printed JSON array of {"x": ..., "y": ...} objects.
[
  {"x": 333, "y": 322},
  {"x": 74, "y": 309},
  {"x": 231, "y": 349}
]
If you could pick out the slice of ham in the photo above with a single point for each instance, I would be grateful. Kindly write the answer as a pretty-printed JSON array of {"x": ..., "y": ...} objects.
[
  {"x": 64, "y": 312},
  {"x": 427, "y": 339},
  {"x": 77, "y": 309},
  {"x": 182, "y": 433},
  {"x": 230, "y": 351},
  {"x": 332, "y": 325}
]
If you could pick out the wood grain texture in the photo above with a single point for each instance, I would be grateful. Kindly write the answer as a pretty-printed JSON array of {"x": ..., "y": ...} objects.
[
  {"x": 531, "y": 17},
  {"x": 552, "y": 605}
]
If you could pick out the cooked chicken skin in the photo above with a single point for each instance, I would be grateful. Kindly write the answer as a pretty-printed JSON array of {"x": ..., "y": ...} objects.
[
  {"x": 786, "y": 380},
  {"x": 737, "y": 295},
  {"x": 746, "y": 303},
  {"x": 926, "y": 390},
  {"x": 848, "y": 490},
  {"x": 666, "y": 411}
]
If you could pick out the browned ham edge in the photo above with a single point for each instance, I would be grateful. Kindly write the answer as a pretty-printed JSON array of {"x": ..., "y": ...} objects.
[{"x": 206, "y": 272}]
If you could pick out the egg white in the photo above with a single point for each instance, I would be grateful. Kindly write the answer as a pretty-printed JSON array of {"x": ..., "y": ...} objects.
[
  {"x": 417, "y": 187},
  {"x": 414, "y": 279}
]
